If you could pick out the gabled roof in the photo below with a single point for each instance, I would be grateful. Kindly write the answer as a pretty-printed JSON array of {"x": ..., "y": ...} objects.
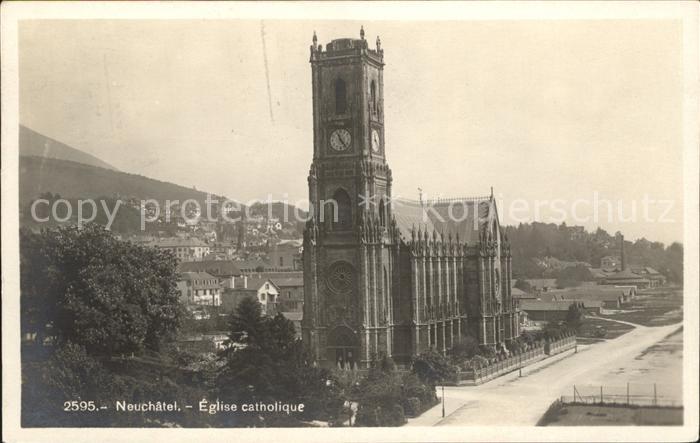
[
  {"x": 288, "y": 282},
  {"x": 411, "y": 215},
  {"x": 627, "y": 275},
  {"x": 219, "y": 268},
  {"x": 595, "y": 293},
  {"x": 257, "y": 283},
  {"x": 541, "y": 305},
  {"x": 201, "y": 280},
  {"x": 463, "y": 217}
]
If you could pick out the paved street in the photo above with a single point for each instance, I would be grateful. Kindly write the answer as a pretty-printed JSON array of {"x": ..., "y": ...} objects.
[{"x": 525, "y": 399}]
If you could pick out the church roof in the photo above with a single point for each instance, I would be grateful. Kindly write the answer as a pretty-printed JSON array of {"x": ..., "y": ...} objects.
[
  {"x": 463, "y": 217},
  {"x": 410, "y": 214}
]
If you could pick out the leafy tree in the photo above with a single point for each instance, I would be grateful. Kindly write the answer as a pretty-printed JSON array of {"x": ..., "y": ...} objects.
[
  {"x": 467, "y": 348},
  {"x": 266, "y": 363},
  {"x": 573, "y": 276},
  {"x": 523, "y": 285},
  {"x": 575, "y": 316},
  {"x": 87, "y": 287},
  {"x": 432, "y": 368}
]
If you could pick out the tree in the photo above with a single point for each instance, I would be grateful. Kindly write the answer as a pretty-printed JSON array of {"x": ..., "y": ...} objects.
[
  {"x": 523, "y": 285},
  {"x": 432, "y": 368},
  {"x": 87, "y": 287},
  {"x": 573, "y": 276},
  {"x": 574, "y": 316},
  {"x": 266, "y": 363}
]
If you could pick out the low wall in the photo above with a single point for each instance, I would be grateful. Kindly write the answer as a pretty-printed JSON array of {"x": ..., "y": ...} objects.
[{"x": 537, "y": 352}]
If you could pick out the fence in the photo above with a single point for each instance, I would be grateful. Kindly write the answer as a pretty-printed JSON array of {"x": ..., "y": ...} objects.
[
  {"x": 536, "y": 352},
  {"x": 631, "y": 394}
]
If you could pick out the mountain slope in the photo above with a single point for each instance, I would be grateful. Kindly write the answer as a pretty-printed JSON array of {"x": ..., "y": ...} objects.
[
  {"x": 76, "y": 180},
  {"x": 32, "y": 143}
]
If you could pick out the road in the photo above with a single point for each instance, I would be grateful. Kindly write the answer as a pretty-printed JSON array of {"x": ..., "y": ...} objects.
[{"x": 521, "y": 401}]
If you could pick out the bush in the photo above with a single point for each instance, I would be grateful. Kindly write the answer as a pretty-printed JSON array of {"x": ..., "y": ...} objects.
[
  {"x": 414, "y": 388},
  {"x": 385, "y": 397},
  {"x": 432, "y": 368},
  {"x": 412, "y": 407},
  {"x": 468, "y": 347}
]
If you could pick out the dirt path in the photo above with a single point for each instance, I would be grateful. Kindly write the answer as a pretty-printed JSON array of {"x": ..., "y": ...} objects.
[
  {"x": 514, "y": 401},
  {"x": 635, "y": 325}
]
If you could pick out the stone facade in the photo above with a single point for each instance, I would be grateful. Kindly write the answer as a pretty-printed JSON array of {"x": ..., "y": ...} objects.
[{"x": 382, "y": 275}]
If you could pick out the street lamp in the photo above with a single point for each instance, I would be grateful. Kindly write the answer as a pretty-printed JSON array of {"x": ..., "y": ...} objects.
[
  {"x": 443, "y": 401},
  {"x": 520, "y": 364}
]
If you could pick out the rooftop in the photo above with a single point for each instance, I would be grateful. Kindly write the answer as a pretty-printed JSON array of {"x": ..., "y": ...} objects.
[
  {"x": 459, "y": 217},
  {"x": 214, "y": 267},
  {"x": 174, "y": 242},
  {"x": 543, "y": 305}
]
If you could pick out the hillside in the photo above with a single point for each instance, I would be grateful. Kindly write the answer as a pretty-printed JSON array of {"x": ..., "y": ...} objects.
[
  {"x": 72, "y": 180},
  {"x": 277, "y": 209},
  {"x": 536, "y": 247},
  {"x": 32, "y": 143}
]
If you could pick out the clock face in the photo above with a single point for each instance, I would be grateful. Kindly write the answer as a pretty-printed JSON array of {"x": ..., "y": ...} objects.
[
  {"x": 340, "y": 140},
  {"x": 375, "y": 140}
]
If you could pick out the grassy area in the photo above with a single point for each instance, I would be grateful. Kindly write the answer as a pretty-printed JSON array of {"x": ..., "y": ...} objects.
[
  {"x": 591, "y": 415},
  {"x": 595, "y": 329},
  {"x": 653, "y": 307}
]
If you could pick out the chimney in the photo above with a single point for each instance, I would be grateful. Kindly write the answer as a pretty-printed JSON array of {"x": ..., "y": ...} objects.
[{"x": 623, "y": 262}]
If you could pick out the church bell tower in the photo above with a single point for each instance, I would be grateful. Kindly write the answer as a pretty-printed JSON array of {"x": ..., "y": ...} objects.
[{"x": 348, "y": 239}]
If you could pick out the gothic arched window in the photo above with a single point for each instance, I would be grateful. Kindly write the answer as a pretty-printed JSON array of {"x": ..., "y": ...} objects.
[
  {"x": 343, "y": 218},
  {"x": 340, "y": 96},
  {"x": 373, "y": 95}
]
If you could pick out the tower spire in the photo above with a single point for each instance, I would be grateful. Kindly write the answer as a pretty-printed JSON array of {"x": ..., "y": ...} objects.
[{"x": 362, "y": 32}]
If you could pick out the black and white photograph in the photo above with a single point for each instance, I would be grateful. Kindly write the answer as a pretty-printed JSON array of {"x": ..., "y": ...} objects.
[{"x": 350, "y": 221}]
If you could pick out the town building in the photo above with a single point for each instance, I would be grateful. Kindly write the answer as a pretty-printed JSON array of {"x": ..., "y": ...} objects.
[
  {"x": 616, "y": 271},
  {"x": 611, "y": 297},
  {"x": 224, "y": 270},
  {"x": 185, "y": 249},
  {"x": 291, "y": 293},
  {"x": 539, "y": 312},
  {"x": 200, "y": 288},
  {"x": 627, "y": 278},
  {"x": 610, "y": 263},
  {"x": 286, "y": 254},
  {"x": 263, "y": 290},
  {"x": 384, "y": 276}
]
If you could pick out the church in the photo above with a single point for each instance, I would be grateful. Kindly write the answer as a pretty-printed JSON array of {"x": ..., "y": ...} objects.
[{"x": 383, "y": 275}]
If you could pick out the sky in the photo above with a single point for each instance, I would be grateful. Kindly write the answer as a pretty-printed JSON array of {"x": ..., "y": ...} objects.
[{"x": 574, "y": 118}]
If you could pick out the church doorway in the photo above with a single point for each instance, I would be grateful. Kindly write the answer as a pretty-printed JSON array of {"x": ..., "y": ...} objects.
[{"x": 343, "y": 348}]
